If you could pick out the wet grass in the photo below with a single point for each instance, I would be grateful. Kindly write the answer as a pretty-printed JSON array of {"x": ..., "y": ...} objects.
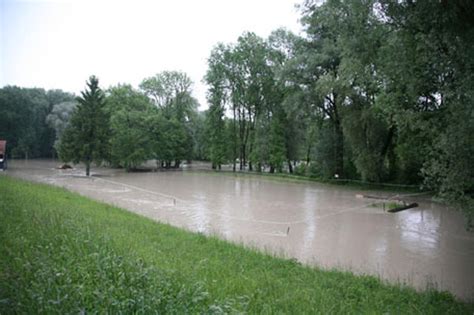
[{"x": 63, "y": 253}]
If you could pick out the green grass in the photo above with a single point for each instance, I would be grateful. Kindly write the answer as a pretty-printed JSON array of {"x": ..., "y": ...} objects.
[{"x": 63, "y": 253}]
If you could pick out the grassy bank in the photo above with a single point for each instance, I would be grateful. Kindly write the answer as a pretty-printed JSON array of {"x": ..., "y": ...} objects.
[{"x": 63, "y": 253}]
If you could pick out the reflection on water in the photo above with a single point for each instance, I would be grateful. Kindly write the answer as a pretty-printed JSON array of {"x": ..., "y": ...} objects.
[
  {"x": 416, "y": 230},
  {"x": 314, "y": 223},
  {"x": 310, "y": 199}
]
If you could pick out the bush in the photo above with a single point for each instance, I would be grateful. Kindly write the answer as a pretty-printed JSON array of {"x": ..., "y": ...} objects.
[{"x": 301, "y": 169}]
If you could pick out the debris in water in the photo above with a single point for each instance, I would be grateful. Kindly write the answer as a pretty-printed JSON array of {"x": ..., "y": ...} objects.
[{"x": 404, "y": 207}]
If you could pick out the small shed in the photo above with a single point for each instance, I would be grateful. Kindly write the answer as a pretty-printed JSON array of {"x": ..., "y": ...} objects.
[{"x": 3, "y": 154}]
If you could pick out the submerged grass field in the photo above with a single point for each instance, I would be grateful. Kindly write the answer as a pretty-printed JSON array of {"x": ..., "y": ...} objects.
[
  {"x": 347, "y": 183},
  {"x": 63, "y": 253}
]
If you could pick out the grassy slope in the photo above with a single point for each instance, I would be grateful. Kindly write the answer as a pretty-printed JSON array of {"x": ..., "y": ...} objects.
[{"x": 61, "y": 252}]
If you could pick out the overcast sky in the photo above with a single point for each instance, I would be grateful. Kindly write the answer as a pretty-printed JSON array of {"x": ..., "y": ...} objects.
[{"x": 60, "y": 43}]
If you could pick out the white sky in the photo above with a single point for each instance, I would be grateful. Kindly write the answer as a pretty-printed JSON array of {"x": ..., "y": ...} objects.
[{"x": 60, "y": 43}]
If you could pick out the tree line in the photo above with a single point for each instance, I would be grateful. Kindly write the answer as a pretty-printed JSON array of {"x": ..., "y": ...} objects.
[
  {"x": 121, "y": 126},
  {"x": 375, "y": 90}
]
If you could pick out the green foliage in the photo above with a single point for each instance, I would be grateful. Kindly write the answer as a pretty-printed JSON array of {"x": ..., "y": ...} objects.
[
  {"x": 216, "y": 132},
  {"x": 59, "y": 118},
  {"x": 449, "y": 169},
  {"x": 277, "y": 150},
  {"x": 130, "y": 141},
  {"x": 175, "y": 131},
  {"x": 217, "y": 97},
  {"x": 324, "y": 164},
  {"x": 172, "y": 141},
  {"x": 367, "y": 135},
  {"x": 171, "y": 92},
  {"x": 260, "y": 155},
  {"x": 86, "y": 138},
  {"x": 240, "y": 77},
  {"x": 430, "y": 92},
  {"x": 84, "y": 256},
  {"x": 199, "y": 136},
  {"x": 301, "y": 169},
  {"x": 23, "y": 123}
]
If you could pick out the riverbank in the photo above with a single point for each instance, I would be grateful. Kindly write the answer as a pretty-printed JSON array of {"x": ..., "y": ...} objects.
[{"x": 61, "y": 253}]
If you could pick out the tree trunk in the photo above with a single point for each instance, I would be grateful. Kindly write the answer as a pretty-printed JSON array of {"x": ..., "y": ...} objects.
[
  {"x": 235, "y": 141},
  {"x": 388, "y": 141},
  {"x": 272, "y": 169},
  {"x": 290, "y": 167},
  {"x": 339, "y": 149},
  {"x": 241, "y": 158},
  {"x": 244, "y": 157},
  {"x": 308, "y": 152},
  {"x": 88, "y": 168}
]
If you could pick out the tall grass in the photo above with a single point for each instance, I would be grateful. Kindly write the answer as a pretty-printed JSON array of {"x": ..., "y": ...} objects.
[{"x": 63, "y": 253}]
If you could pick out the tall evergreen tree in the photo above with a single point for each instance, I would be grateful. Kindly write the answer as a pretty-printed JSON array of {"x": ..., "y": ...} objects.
[{"x": 87, "y": 136}]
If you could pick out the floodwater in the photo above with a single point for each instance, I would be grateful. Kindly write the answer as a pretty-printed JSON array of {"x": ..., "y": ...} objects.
[{"x": 318, "y": 224}]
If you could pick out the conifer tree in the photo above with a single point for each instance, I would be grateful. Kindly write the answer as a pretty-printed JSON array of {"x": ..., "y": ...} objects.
[{"x": 86, "y": 138}]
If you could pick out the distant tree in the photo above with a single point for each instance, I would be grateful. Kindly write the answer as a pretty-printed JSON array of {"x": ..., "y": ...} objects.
[
  {"x": 277, "y": 150},
  {"x": 130, "y": 141},
  {"x": 50, "y": 134},
  {"x": 169, "y": 139},
  {"x": 86, "y": 137},
  {"x": 215, "y": 124},
  {"x": 199, "y": 136},
  {"x": 58, "y": 96},
  {"x": 171, "y": 92},
  {"x": 59, "y": 118},
  {"x": 241, "y": 78},
  {"x": 22, "y": 121}
]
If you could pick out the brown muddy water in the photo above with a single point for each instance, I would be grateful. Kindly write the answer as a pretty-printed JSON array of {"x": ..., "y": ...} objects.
[{"x": 317, "y": 224}]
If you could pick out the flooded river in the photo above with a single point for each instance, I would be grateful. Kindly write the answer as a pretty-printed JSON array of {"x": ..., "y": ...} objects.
[{"x": 317, "y": 224}]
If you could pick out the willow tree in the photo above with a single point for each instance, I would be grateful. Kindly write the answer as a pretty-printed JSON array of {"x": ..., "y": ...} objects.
[
  {"x": 171, "y": 93},
  {"x": 86, "y": 137}
]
